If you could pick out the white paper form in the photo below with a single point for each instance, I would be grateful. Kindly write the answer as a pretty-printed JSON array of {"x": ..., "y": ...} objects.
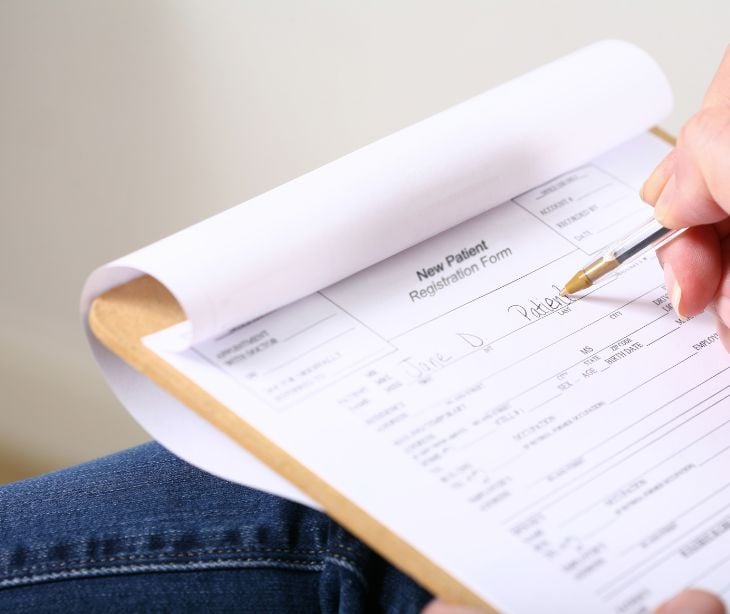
[
  {"x": 404, "y": 188},
  {"x": 322, "y": 227},
  {"x": 517, "y": 438}
]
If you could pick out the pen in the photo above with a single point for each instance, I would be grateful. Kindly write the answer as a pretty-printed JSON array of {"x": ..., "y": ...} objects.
[{"x": 651, "y": 235}]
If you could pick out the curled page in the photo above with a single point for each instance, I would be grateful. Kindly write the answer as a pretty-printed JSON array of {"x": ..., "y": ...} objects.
[
  {"x": 379, "y": 200},
  {"x": 351, "y": 213}
]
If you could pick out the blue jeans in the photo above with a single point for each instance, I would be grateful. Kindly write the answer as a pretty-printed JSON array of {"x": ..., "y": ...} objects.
[{"x": 142, "y": 531}]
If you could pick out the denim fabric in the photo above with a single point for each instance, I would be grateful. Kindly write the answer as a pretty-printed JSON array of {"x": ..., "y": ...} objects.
[{"x": 142, "y": 531}]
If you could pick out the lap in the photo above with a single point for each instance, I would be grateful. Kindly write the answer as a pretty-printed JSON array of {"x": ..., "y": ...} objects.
[{"x": 144, "y": 531}]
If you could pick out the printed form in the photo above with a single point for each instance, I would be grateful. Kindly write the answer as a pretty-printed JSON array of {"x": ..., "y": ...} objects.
[{"x": 541, "y": 449}]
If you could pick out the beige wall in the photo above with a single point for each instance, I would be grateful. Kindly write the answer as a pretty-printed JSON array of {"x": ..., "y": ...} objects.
[{"x": 121, "y": 122}]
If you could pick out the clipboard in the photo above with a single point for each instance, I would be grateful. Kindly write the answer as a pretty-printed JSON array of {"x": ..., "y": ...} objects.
[{"x": 121, "y": 317}]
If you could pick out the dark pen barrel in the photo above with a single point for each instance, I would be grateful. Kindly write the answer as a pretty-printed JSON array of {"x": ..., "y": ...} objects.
[{"x": 632, "y": 250}]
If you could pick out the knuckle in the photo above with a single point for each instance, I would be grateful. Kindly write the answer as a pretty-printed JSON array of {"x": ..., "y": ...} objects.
[{"x": 705, "y": 126}]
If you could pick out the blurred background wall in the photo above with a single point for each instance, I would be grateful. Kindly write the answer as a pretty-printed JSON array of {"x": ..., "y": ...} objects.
[{"x": 121, "y": 122}]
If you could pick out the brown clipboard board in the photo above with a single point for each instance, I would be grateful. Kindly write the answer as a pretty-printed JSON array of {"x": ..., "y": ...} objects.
[{"x": 121, "y": 317}]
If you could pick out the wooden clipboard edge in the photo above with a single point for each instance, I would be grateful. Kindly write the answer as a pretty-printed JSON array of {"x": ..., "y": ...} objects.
[
  {"x": 122, "y": 316},
  {"x": 664, "y": 135}
]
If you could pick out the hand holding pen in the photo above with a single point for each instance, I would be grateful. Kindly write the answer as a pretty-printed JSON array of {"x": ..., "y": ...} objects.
[
  {"x": 690, "y": 191},
  {"x": 691, "y": 188}
]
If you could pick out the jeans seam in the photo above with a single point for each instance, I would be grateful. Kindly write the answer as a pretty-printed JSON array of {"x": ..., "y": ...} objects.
[
  {"x": 141, "y": 538},
  {"x": 345, "y": 563},
  {"x": 188, "y": 553},
  {"x": 160, "y": 567},
  {"x": 338, "y": 559},
  {"x": 143, "y": 542},
  {"x": 163, "y": 555}
]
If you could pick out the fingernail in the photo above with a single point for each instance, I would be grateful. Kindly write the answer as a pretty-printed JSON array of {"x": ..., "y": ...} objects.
[
  {"x": 722, "y": 303},
  {"x": 656, "y": 181},
  {"x": 673, "y": 289},
  {"x": 724, "y": 334},
  {"x": 644, "y": 189},
  {"x": 665, "y": 203},
  {"x": 722, "y": 309}
]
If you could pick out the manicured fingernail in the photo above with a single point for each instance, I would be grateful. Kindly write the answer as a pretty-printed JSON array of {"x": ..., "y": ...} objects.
[
  {"x": 665, "y": 203},
  {"x": 722, "y": 330},
  {"x": 673, "y": 289},
  {"x": 722, "y": 309},
  {"x": 647, "y": 187},
  {"x": 656, "y": 181},
  {"x": 724, "y": 333}
]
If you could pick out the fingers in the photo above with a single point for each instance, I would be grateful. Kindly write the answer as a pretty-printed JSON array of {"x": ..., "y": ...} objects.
[
  {"x": 721, "y": 304},
  {"x": 692, "y": 601},
  {"x": 691, "y": 188},
  {"x": 698, "y": 191},
  {"x": 693, "y": 265},
  {"x": 439, "y": 607},
  {"x": 724, "y": 333}
]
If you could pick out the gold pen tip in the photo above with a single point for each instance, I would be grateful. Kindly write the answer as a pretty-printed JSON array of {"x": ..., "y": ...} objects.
[
  {"x": 579, "y": 281},
  {"x": 585, "y": 277}
]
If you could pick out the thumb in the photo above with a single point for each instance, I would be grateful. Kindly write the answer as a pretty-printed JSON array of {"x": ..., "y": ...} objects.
[
  {"x": 698, "y": 192},
  {"x": 439, "y": 607},
  {"x": 692, "y": 601}
]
